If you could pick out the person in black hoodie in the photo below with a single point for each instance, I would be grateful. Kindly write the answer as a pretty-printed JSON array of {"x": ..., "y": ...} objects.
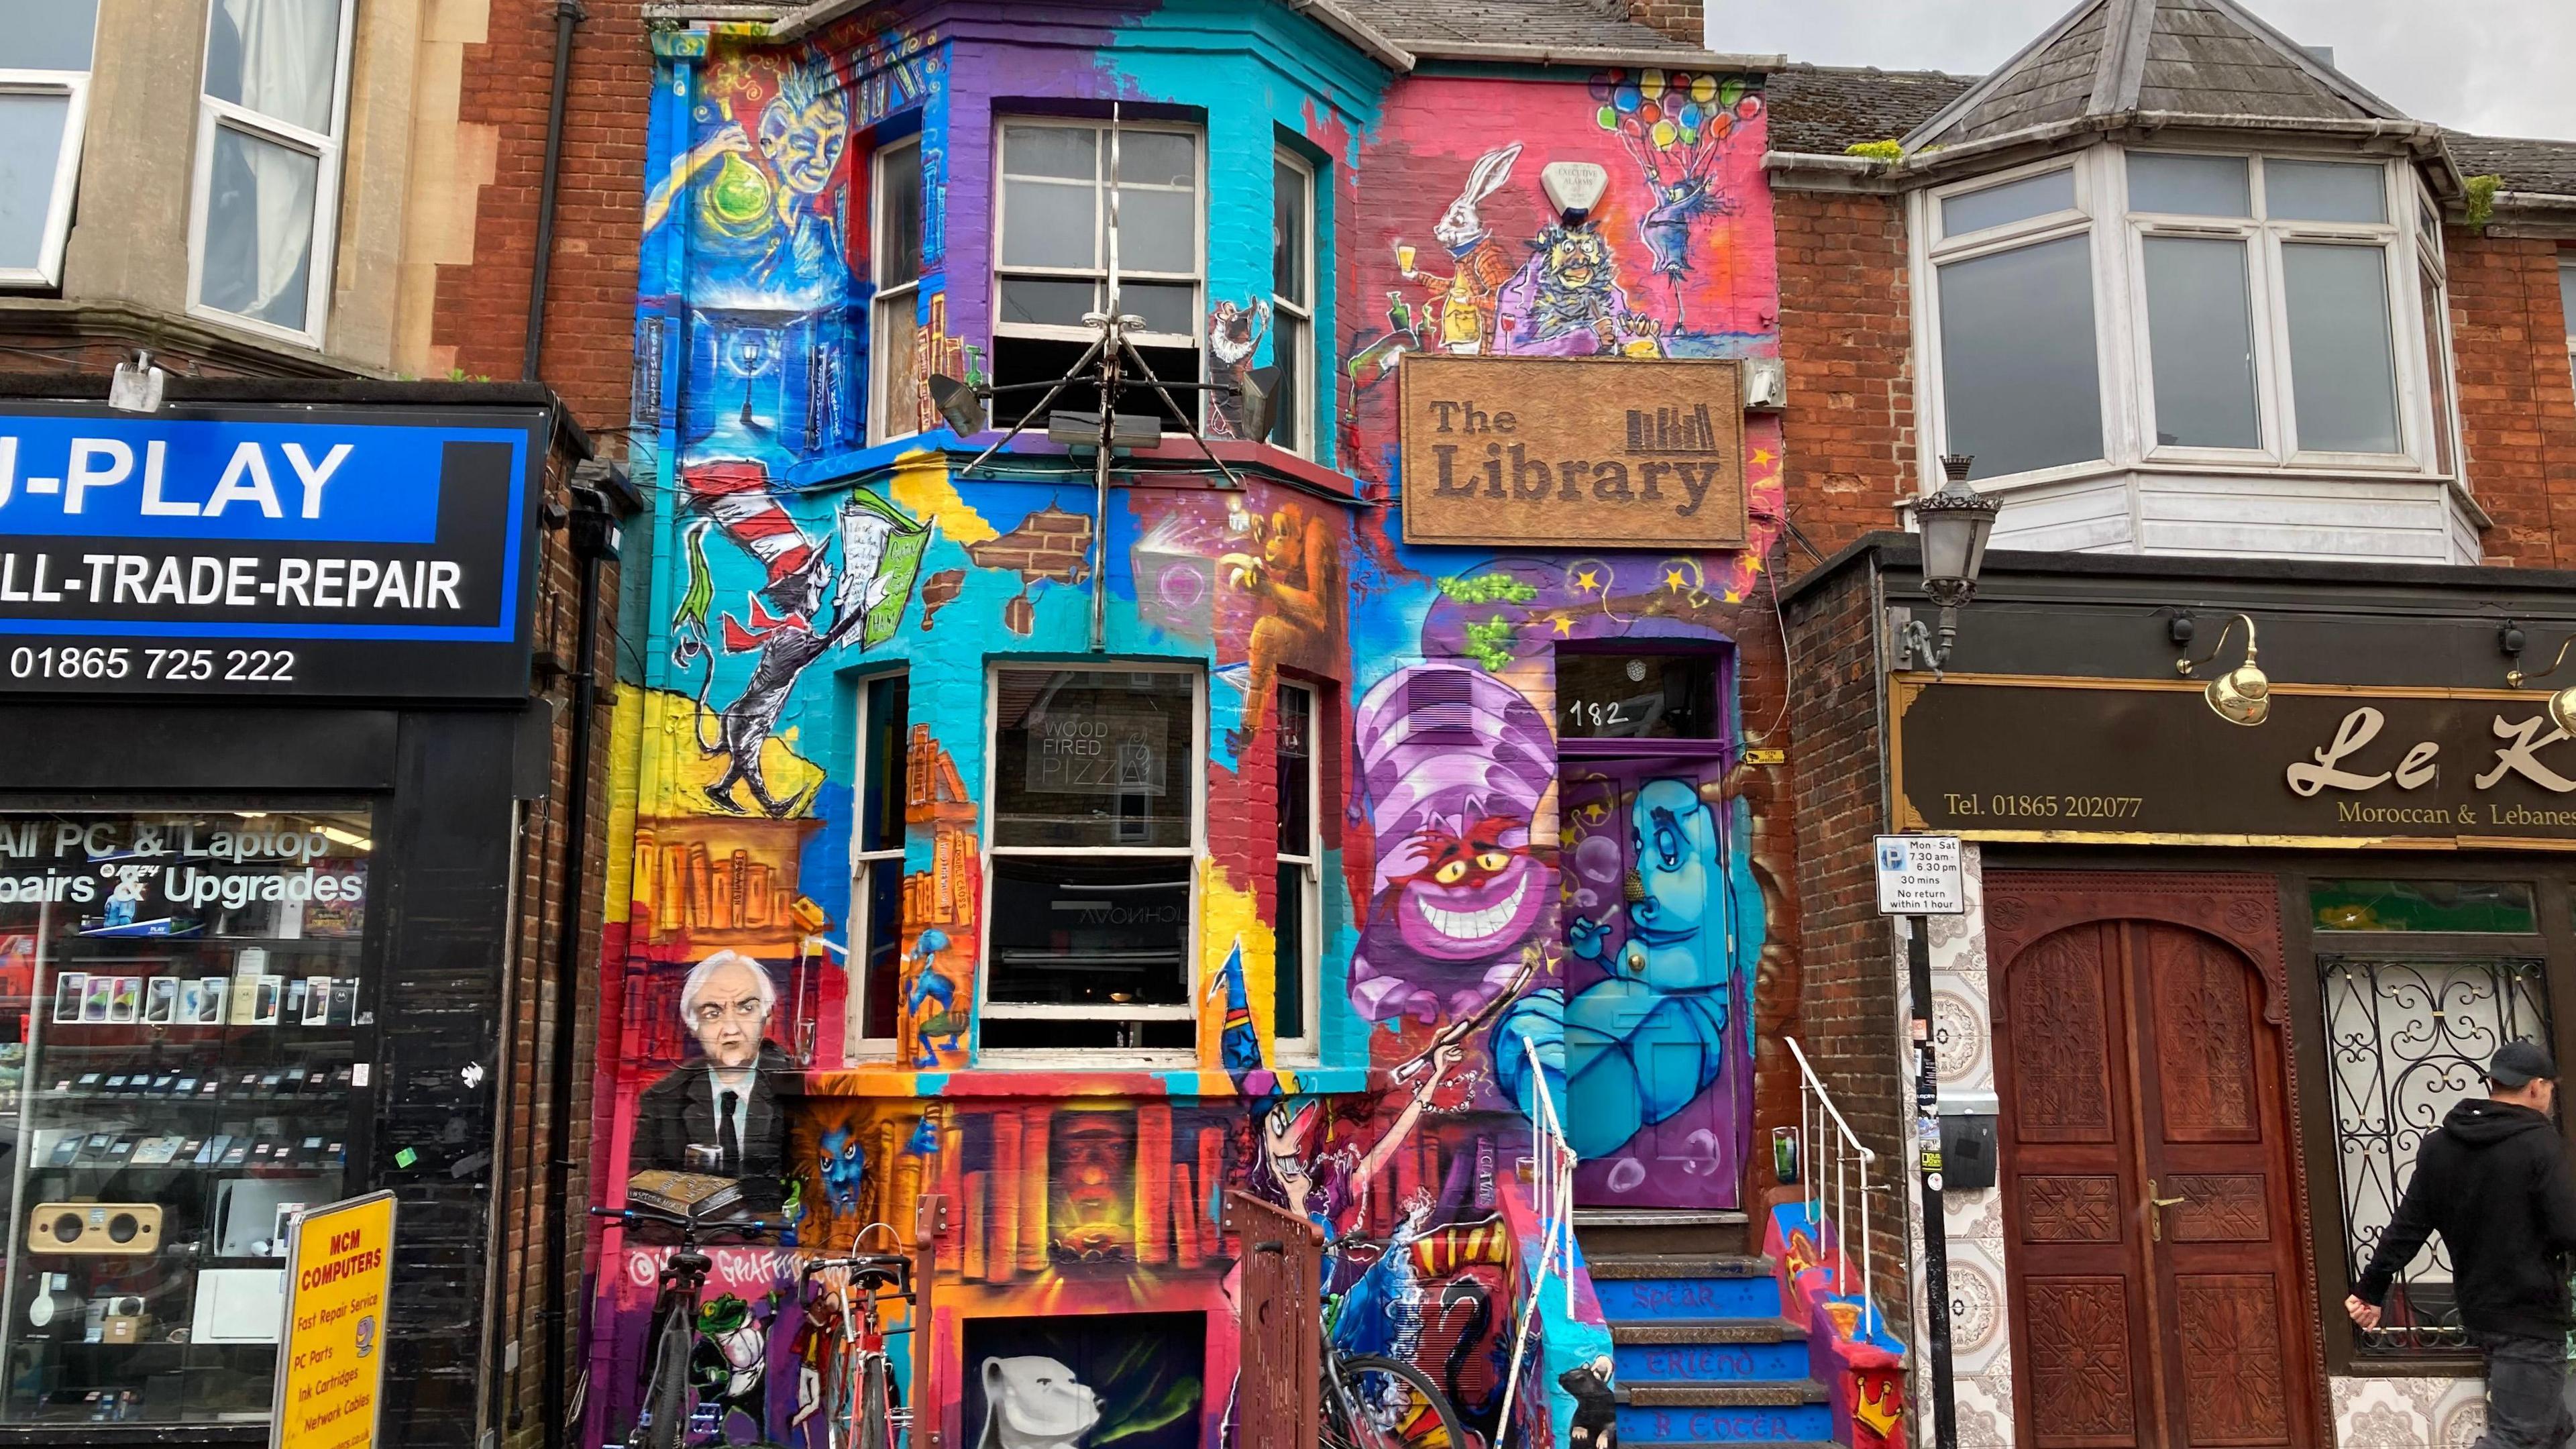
[{"x": 2494, "y": 1182}]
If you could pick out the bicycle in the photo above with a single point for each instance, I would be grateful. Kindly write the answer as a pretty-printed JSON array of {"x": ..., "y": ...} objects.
[
  {"x": 667, "y": 1414},
  {"x": 862, "y": 1409},
  {"x": 1373, "y": 1402}
]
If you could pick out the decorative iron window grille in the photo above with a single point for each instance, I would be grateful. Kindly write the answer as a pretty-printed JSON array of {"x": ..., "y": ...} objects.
[{"x": 2405, "y": 1039}]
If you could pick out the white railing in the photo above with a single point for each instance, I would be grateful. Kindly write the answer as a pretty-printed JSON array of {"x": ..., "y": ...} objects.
[
  {"x": 1851, "y": 1179},
  {"x": 1552, "y": 1195}
]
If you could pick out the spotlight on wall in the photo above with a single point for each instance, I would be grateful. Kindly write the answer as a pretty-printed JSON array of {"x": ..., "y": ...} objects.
[
  {"x": 1260, "y": 400},
  {"x": 136, "y": 388},
  {"x": 2562, "y": 702},
  {"x": 960, "y": 405},
  {"x": 2242, "y": 695},
  {"x": 1573, "y": 188}
]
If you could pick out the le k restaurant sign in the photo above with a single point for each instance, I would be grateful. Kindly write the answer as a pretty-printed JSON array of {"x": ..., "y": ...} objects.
[
  {"x": 1573, "y": 452},
  {"x": 2019, "y": 758}
]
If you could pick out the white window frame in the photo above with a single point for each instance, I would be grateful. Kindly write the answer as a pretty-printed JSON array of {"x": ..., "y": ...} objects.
[
  {"x": 2432, "y": 267},
  {"x": 48, "y": 271},
  {"x": 1092, "y": 1058},
  {"x": 857, "y": 1046},
  {"x": 1985, "y": 242},
  {"x": 1303, "y": 444},
  {"x": 212, "y": 114},
  {"x": 2125, "y": 362},
  {"x": 883, "y": 425},
  {"x": 1307, "y": 1049},
  {"x": 2566, "y": 284},
  {"x": 1195, "y": 340}
]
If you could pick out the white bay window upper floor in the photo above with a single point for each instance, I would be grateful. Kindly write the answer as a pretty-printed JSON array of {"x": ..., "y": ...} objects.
[{"x": 2196, "y": 351}]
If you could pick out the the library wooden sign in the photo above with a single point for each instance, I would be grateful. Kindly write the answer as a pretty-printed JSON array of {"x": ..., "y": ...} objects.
[{"x": 1573, "y": 452}]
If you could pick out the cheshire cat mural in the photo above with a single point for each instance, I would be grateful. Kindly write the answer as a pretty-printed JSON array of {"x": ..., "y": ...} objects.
[{"x": 863, "y": 714}]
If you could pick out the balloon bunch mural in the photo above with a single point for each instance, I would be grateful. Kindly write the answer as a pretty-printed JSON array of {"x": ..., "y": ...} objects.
[{"x": 1674, "y": 127}]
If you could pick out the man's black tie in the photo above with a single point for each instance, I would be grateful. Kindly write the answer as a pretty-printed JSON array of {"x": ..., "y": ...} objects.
[{"x": 727, "y": 1133}]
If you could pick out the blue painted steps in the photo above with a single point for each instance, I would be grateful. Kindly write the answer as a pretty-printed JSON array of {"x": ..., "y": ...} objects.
[{"x": 1703, "y": 1356}]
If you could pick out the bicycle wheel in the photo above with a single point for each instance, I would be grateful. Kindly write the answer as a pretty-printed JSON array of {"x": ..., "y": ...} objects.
[
  {"x": 876, "y": 1426},
  {"x": 662, "y": 1420},
  {"x": 1392, "y": 1405}
]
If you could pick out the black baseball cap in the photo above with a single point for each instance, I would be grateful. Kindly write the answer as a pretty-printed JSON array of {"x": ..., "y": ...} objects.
[{"x": 2518, "y": 1063}]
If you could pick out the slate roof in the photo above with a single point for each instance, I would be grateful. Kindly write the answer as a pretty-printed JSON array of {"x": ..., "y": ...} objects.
[
  {"x": 2543, "y": 168},
  {"x": 2111, "y": 57},
  {"x": 1826, "y": 110},
  {"x": 1575, "y": 24}
]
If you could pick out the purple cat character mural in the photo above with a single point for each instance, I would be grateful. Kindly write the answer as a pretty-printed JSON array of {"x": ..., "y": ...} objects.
[{"x": 1454, "y": 762}]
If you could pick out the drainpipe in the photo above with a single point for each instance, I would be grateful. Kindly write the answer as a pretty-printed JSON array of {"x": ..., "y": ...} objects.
[
  {"x": 568, "y": 13},
  {"x": 594, "y": 542}
]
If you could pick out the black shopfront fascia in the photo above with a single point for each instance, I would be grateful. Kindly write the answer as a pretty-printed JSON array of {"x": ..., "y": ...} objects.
[
  {"x": 437, "y": 759},
  {"x": 2410, "y": 640}
]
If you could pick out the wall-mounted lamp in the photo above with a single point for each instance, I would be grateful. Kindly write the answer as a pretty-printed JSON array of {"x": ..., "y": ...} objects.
[
  {"x": 2242, "y": 695},
  {"x": 136, "y": 387},
  {"x": 2562, "y": 702},
  {"x": 1955, "y": 524}
]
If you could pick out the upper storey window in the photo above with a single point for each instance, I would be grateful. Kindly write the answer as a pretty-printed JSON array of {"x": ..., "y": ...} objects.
[
  {"x": 1057, "y": 240},
  {"x": 44, "y": 97},
  {"x": 2244, "y": 311},
  {"x": 270, "y": 122}
]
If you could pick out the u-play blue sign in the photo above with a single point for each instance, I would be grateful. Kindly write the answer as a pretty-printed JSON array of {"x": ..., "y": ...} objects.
[{"x": 283, "y": 550}]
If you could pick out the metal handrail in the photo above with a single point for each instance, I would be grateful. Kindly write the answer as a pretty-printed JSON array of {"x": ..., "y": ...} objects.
[
  {"x": 1851, "y": 1160},
  {"x": 1552, "y": 1193}
]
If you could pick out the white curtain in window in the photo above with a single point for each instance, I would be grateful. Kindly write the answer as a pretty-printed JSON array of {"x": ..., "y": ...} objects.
[{"x": 277, "y": 58}]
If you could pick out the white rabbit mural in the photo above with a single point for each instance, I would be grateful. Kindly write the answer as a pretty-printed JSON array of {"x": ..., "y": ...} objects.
[{"x": 1466, "y": 296}]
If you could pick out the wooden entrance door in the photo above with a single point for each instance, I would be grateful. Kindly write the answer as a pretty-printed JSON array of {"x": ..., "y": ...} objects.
[{"x": 2159, "y": 1295}]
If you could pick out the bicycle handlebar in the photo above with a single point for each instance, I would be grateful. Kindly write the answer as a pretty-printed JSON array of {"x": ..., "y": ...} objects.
[
  {"x": 879, "y": 1267},
  {"x": 688, "y": 1222}
]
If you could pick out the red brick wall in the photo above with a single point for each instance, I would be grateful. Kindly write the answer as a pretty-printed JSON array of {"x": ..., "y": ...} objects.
[
  {"x": 2517, "y": 400},
  {"x": 482, "y": 308},
  {"x": 1845, "y": 336},
  {"x": 1847, "y": 1001},
  {"x": 1683, "y": 20}
]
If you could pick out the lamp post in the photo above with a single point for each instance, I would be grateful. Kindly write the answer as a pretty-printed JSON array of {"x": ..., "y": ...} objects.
[{"x": 1955, "y": 524}]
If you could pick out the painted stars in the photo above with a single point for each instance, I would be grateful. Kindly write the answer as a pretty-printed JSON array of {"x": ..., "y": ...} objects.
[{"x": 1587, "y": 581}]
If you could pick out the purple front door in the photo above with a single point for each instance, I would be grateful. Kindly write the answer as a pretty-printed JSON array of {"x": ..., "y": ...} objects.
[{"x": 1657, "y": 1084}]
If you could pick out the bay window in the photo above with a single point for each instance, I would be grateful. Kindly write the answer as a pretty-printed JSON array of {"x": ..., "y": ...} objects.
[
  {"x": 2200, "y": 309},
  {"x": 271, "y": 117},
  {"x": 876, "y": 867},
  {"x": 2014, "y": 269},
  {"x": 1091, "y": 863},
  {"x": 1053, "y": 262},
  {"x": 1292, "y": 299},
  {"x": 894, "y": 260},
  {"x": 1299, "y": 927},
  {"x": 44, "y": 101}
]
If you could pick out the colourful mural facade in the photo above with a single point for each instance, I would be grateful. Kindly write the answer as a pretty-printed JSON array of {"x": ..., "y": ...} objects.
[{"x": 868, "y": 738}]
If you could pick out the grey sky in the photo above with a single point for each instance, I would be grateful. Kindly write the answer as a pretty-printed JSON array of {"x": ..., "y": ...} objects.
[{"x": 2501, "y": 67}]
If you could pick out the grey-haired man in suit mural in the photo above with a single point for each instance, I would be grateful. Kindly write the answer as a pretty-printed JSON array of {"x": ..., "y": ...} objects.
[{"x": 725, "y": 1106}]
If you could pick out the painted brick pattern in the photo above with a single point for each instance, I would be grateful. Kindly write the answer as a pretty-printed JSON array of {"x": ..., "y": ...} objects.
[
  {"x": 481, "y": 309},
  {"x": 2517, "y": 397},
  {"x": 1845, "y": 336},
  {"x": 1848, "y": 1004}
]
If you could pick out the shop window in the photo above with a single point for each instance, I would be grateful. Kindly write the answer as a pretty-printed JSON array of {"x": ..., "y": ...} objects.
[
  {"x": 190, "y": 1022},
  {"x": 1636, "y": 696},
  {"x": 1055, "y": 255},
  {"x": 2406, "y": 1039},
  {"x": 2479, "y": 906},
  {"x": 894, "y": 258},
  {"x": 1092, "y": 860},
  {"x": 1292, "y": 298},
  {"x": 1299, "y": 924},
  {"x": 876, "y": 867},
  {"x": 270, "y": 121},
  {"x": 44, "y": 104}
]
